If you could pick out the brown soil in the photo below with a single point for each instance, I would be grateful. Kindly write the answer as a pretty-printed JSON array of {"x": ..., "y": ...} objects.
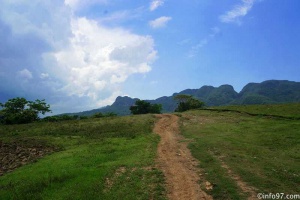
[
  {"x": 20, "y": 152},
  {"x": 176, "y": 162}
]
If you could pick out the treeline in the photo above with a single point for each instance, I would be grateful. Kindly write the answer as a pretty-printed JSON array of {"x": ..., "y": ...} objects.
[
  {"x": 21, "y": 111},
  {"x": 76, "y": 117},
  {"x": 185, "y": 102}
]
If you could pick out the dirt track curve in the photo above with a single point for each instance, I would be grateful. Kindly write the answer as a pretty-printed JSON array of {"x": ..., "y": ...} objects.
[{"x": 176, "y": 162}]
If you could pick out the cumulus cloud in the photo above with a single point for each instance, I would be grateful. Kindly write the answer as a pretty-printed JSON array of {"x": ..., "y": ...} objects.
[
  {"x": 238, "y": 11},
  {"x": 75, "y": 63},
  {"x": 160, "y": 22},
  {"x": 99, "y": 58},
  {"x": 155, "y": 4}
]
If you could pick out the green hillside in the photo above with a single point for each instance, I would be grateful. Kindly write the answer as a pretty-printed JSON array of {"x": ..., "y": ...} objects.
[
  {"x": 108, "y": 158},
  {"x": 114, "y": 157},
  {"x": 243, "y": 155}
]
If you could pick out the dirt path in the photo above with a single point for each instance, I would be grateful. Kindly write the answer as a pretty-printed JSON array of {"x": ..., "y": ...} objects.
[{"x": 176, "y": 162}]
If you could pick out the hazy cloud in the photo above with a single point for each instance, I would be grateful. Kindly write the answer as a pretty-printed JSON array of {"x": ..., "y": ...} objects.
[
  {"x": 160, "y": 22},
  {"x": 194, "y": 50},
  {"x": 155, "y": 4},
  {"x": 121, "y": 16},
  {"x": 79, "y": 4},
  {"x": 25, "y": 74},
  {"x": 238, "y": 11}
]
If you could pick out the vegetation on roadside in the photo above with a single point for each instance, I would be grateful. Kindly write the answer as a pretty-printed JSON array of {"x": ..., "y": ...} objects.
[
  {"x": 100, "y": 158},
  {"x": 262, "y": 152}
]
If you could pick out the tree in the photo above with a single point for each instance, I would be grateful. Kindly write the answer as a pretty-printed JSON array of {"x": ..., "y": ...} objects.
[
  {"x": 144, "y": 107},
  {"x": 20, "y": 111},
  {"x": 187, "y": 102}
]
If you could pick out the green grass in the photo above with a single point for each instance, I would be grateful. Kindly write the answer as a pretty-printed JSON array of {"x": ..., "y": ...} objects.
[
  {"x": 113, "y": 158},
  {"x": 93, "y": 152},
  {"x": 263, "y": 151},
  {"x": 291, "y": 110}
]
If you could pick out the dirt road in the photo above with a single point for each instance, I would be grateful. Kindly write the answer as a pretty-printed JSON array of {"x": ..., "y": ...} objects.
[{"x": 176, "y": 162}]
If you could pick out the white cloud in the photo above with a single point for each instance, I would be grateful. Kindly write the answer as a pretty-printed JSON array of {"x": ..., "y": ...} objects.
[
  {"x": 155, "y": 4},
  {"x": 79, "y": 64},
  {"x": 99, "y": 59},
  {"x": 239, "y": 11},
  {"x": 25, "y": 74},
  {"x": 160, "y": 22}
]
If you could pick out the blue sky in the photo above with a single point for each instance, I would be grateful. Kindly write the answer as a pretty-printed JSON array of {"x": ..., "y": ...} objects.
[{"x": 81, "y": 55}]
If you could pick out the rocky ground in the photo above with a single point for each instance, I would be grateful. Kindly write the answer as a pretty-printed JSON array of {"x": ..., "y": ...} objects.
[{"x": 19, "y": 152}]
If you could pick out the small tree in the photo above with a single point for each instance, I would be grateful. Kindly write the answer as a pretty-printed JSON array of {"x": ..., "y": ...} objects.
[
  {"x": 20, "y": 111},
  {"x": 144, "y": 107},
  {"x": 187, "y": 102},
  {"x": 98, "y": 115}
]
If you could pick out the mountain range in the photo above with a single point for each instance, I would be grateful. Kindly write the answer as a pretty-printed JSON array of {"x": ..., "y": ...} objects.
[{"x": 267, "y": 92}]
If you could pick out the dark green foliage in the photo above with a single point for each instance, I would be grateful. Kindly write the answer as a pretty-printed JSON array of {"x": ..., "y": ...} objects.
[
  {"x": 60, "y": 118},
  {"x": 187, "y": 102},
  {"x": 100, "y": 115},
  {"x": 144, "y": 107},
  {"x": 21, "y": 111}
]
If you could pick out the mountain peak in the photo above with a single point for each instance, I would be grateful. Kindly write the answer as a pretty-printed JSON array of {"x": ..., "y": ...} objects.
[{"x": 267, "y": 92}]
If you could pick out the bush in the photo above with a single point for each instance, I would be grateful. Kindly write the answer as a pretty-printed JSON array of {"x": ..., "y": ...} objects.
[{"x": 187, "y": 102}]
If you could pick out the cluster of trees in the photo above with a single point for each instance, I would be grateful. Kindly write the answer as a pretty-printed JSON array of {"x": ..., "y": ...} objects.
[
  {"x": 101, "y": 115},
  {"x": 144, "y": 107},
  {"x": 185, "y": 102},
  {"x": 20, "y": 111}
]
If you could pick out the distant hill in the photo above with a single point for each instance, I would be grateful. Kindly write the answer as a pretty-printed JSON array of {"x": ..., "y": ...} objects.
[{"x": 267, "y": 92}]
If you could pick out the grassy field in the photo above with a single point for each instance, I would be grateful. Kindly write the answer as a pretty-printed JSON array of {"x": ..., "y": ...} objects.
[
  {"x": 263, "y": 152},
  {"x": 107, "y": 158},
  {"x": 113, "y": 158},
  {"x": 291, "y": 110}
]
